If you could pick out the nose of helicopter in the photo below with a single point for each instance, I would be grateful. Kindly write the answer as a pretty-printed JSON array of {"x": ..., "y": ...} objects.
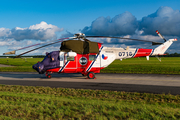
[{"x": 39, "y": 67}]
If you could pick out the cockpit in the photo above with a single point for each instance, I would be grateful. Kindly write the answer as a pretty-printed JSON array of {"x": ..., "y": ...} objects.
[{"x": 54, "y": 59}]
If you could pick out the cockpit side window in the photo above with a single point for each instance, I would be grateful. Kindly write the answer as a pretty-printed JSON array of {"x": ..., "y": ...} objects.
[
  {"x": 92, "y": 57},
  {"x": 70, "y": 58}
]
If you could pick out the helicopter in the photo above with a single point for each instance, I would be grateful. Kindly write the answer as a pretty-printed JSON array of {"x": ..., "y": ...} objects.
[{"x": 79, "y": 55}]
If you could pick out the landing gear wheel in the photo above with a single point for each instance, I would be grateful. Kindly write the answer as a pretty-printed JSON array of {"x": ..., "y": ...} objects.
[
  {"x": 49, "y": 76},
  {"x": 91, "y": 75}
]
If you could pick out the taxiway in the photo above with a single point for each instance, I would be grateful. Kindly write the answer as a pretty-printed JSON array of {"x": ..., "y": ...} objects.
[{"x": 149, "y": 83}]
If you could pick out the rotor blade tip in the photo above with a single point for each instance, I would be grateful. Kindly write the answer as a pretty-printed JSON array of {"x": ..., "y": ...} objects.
[{"x": 8, "y": 53}]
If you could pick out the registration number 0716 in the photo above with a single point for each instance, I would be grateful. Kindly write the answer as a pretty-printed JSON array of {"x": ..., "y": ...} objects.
[{"x": 125, "y": 53}]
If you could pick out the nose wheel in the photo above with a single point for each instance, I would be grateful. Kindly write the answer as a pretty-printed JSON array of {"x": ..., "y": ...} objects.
[
  {"x": 48, "y": 75},
  {"x": 91, "y": 75}
]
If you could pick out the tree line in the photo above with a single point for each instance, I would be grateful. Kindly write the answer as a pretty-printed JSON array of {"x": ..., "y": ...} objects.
[{"x": 172, "y": 55}]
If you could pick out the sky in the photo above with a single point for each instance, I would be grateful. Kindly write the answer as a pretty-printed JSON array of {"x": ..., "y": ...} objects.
[{"x": 27, "y": 22}]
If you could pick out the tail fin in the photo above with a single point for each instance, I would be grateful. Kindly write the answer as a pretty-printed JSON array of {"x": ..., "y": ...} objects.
[{"x": 160, "y": 50}]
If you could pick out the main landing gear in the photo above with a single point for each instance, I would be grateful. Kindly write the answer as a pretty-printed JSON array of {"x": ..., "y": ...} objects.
[{"x": 90, "y": 75}]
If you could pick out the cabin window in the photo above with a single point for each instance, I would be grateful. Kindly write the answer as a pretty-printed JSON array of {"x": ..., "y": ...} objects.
[
  {"x": 70, "y": 58},
  {"x": 92, "y": 57}
]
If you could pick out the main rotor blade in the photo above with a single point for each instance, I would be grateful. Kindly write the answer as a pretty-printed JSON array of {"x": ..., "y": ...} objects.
[
  {"x": 43, "y": 46},
  {"x": 38, "y": 44},
  {"x": 14, "y": 51},
  {"x": 153, "y": 43}
]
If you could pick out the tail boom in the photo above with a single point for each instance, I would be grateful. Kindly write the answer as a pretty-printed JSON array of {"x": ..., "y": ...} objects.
[{"x": 160, "y": 50}]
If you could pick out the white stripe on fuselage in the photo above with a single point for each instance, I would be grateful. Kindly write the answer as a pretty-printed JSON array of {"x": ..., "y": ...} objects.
[
  {"x": 62, "y": 68},
  {"x": 90, "y": 66}
]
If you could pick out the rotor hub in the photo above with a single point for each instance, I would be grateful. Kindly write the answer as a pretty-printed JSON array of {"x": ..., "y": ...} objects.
[{"x": 80, "y": 35}]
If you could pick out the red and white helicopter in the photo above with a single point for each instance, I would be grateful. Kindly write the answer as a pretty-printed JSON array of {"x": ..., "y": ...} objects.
[{"x": 79, "y": 55}]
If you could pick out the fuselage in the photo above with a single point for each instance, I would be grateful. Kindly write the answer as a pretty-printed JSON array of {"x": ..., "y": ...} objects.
[{"x": 72, "y": 62}]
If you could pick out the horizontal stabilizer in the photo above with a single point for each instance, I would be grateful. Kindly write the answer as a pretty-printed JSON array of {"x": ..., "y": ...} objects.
[{"x": 8, "y": 53}]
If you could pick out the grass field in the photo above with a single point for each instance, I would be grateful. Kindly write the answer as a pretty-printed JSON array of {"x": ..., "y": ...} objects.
[
  {"x": 27, "y": 102},
  {"x": 19, "y": 64},
  {"x": 168, "y": 65},
  {"x": 22, "y": 102}
]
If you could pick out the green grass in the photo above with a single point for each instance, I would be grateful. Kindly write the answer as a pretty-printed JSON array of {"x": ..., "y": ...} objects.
[
  {"x": 22, "y": 102},
  {"x": 168, "y": 65},
  {"x": 19, "y": 64}
]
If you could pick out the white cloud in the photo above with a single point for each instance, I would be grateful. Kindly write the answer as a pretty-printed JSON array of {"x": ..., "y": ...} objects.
[
  {"x": 42, "y": 31},
  {"x": 108, "y": 40},
  {"x": 43, "y": 26},
  {"x": 3, "y": 43},
  {"x": 165, "y": 19},
  {"x": 4, "y": 32},
  {"x": 122, "y": 24}
]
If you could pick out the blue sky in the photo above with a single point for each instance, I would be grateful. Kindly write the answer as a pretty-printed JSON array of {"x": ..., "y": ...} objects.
[{"x": 20, "y": 20}]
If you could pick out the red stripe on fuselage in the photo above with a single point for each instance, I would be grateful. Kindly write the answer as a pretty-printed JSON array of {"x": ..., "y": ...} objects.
[
  {"x": 99, "y": 45},
  {"x": 53, "y": 70},
  {"x": 143, "y": 52}
]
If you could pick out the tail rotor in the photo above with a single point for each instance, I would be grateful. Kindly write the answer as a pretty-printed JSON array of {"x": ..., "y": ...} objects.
[{"x": 160, "y": 35}]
